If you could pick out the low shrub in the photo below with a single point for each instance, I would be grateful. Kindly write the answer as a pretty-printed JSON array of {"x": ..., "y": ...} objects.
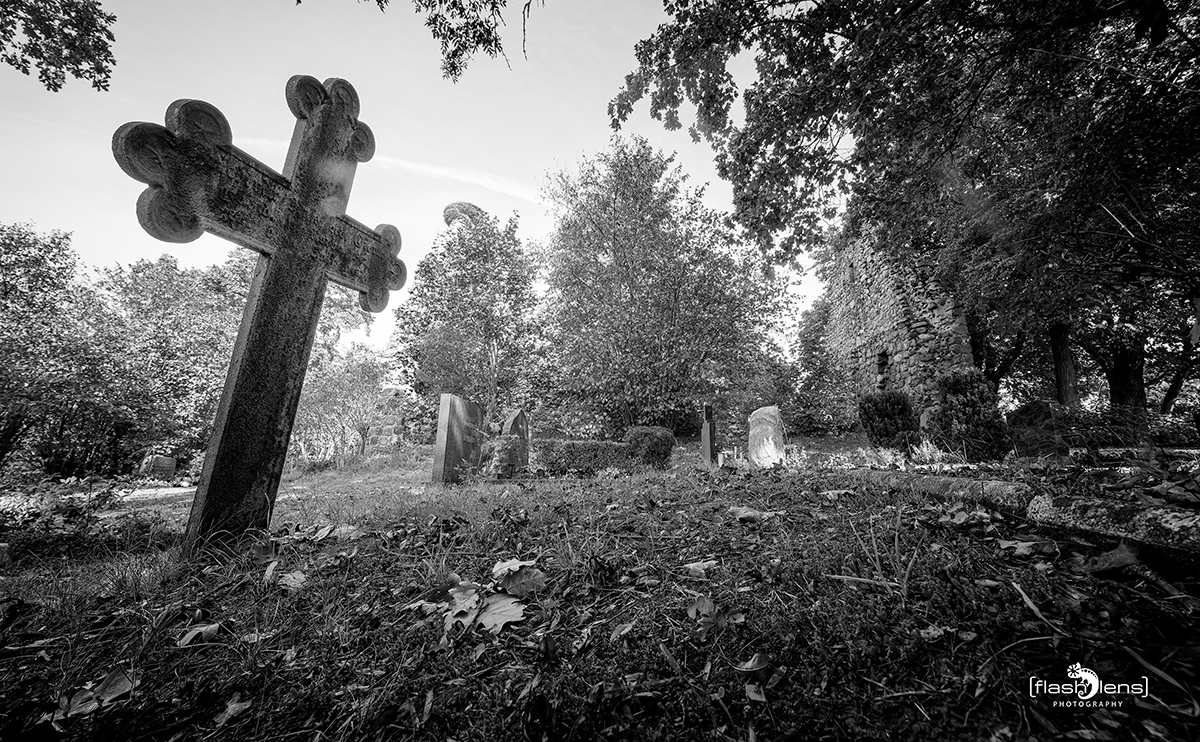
[
  {"x": 889, "y": 420},
  {"x": 650, "y": 445},
  {"x": 558, "y": 457},
  {"x": 968, "y": 420}
]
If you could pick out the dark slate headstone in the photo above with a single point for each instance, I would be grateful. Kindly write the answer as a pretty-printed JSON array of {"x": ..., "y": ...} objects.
[
  {"x": 708, "y": 438},
  {"x": 517, "y": 424},
  {"x": 766, "y": 437},
  {"x": 158, "y": 467},
  {"x": 1037, "y": 428},
  {"x": 199, "y": 182},
  {"x": 460, "y": 437}
]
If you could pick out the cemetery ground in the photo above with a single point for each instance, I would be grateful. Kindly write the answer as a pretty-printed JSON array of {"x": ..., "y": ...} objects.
[{"x": 664, "y": 605}]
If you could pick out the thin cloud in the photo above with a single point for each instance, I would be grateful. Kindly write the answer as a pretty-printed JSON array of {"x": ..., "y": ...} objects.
[{"x": 479, "y": 178}]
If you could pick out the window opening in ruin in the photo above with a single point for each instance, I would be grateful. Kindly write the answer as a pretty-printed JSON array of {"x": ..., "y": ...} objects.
[{"x": 881, "y": 371}]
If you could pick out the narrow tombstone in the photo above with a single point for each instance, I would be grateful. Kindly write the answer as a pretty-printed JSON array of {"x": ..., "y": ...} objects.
[
  {"x": 517, "y": 424},
  {"x": 708, "y": 438},
  {"x": 766, "y": 438},
  {"x": 297, "y": 221},
  {"x": 460, "y": 435}
]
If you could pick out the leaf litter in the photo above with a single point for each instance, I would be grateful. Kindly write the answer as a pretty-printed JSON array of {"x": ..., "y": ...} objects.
[{"x": 605, "y": 612}]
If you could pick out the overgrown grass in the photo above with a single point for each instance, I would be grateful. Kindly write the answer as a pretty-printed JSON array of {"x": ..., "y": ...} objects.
[{"x": 817, "y": 612}]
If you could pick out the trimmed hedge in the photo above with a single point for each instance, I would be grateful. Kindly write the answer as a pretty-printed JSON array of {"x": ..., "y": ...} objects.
[
  {"x": 555, "y": 456},
  {"x": 643, "y": 446},
  {"x": 889, "y": 420},
  {"x": 650, "y": 445}
]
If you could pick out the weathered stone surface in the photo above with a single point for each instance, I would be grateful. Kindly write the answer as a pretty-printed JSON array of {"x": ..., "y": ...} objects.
[
  {"x": 460, "y": 436},
  {"x": 158, "y": 467},
  {"x": 1037, "y": 428},
  {"x": 1167, "y": 527},
  {"x": 708, "y": 438},
  {"x": 198, "y": 181},
  {"x": 892, "y": 325},
  {"x": 1007, "y": 497},
  {"x": 766, "y": 437}
]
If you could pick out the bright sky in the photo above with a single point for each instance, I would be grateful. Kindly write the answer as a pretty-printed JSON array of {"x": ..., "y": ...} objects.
[{"x": 488, "y": 139}]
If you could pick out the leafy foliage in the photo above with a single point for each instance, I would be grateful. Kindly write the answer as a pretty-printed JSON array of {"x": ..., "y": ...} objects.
[
  {"x": 342, "y": 397},
  {"x": 888, "y": 419},
  {"x": 467, "y": 325},
  {"x": 823, "y": 403},
  {"x": 59, "y": 38},
  {"x": 652, "y": 303}
]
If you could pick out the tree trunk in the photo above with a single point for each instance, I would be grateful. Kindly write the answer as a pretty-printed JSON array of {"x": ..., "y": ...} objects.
[
  {"x": 1127, "y": 391},
  {"x": 1186, "y": 364},
  {"x": 1066, "y": 376}
]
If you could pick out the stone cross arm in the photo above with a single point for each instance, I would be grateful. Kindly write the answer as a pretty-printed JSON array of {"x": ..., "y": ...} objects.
[{"x": 200, "y": 182}]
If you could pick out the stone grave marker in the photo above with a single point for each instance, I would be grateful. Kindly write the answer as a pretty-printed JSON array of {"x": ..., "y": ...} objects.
[
  {"x": 708, "y": 438},
  {"x": 766, "y": 437},
  {"x": 518, "y": 424},
  {"x": 158, "y": 467},
  {"x": 460, "y": 436},
  {"x": 199, "y": 182},
  {"x": 1037, "y": 428}
]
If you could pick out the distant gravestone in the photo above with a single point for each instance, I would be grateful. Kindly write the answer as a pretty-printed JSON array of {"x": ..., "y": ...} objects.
[
  {"x": 1038, "y": 428},
  {"x": 460, "y": 435},
  {"x": 708, "y": 438},
  {"x": 199, "y": 182},
  {"x": 517, "y": 424},
  {"x": 766, "y": 437},
  {"x": 158, "y": 467}
]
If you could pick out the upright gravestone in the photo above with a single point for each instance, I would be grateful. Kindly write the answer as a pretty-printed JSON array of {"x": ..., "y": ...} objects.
[
  {"x": 1037, "y": 428},
  {"x": 460, "y": 436},
  {"x": 708, "y": 438},
  {"x": 766, "y": 437},
  {"x": 517, "y": 424},
  {"x": 158, "y": 467},
  {"x": 200, "y": 182}
]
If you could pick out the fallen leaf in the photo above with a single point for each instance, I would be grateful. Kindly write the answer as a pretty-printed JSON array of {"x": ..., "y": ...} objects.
[
  {"x": 293, "y": 581},
  {"x": 750, "y": 515},
  {"x": 755, "y": 693},
  {"x": 933, "y": 633},
  {"x": 233, "y": 707},
  {"x": 200, "y": 634},
  {"x": 323, "y": 533},
  {"x": 760, "y": 661},
  {"x": 833, "y": 495},
  {"x": 269, "y": 574},
  {"x": 523, "y": 581},
  {"x": 512, "y": 565},
  {"x": 697, "y": 569},
  {"x": 500, "y": 609},
  {"x": 1122, "y": 556},
  {"x": 620, "y": 631},
  {"x": 464, "y": 605},
  {"x": 703, "y": 606}
]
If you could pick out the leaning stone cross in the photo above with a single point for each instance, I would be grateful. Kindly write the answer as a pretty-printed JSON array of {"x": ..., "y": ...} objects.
[{"x": 199, "y": 182}]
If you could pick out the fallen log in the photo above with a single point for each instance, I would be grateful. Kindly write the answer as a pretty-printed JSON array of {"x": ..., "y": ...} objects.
[{"x": 1166, "y": 526}]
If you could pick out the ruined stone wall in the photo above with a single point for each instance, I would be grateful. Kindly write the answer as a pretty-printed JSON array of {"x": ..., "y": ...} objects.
[{"x": 892, "y": 325}]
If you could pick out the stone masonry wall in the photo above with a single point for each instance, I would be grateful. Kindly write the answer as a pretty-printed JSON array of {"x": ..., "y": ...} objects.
[{"x": 892, "y": 325}]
